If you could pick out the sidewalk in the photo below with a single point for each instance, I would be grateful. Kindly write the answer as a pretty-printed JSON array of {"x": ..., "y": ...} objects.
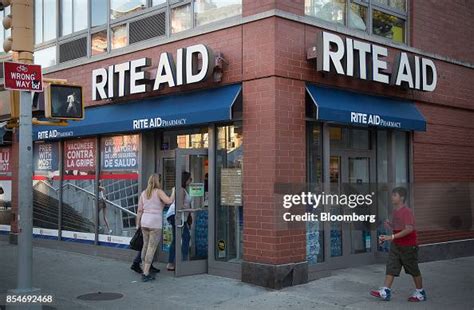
[{"x": 66, "y": 275}]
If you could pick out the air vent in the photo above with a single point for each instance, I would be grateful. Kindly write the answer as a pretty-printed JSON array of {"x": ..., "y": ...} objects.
[
  {"x": 73, "y": 50},
  {"x": 147, "y": 28}
]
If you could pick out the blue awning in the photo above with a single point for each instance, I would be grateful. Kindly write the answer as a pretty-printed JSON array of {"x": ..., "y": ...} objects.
[
  {"x": 345, "y": 107},
  {"x": 198, "y": 107}
]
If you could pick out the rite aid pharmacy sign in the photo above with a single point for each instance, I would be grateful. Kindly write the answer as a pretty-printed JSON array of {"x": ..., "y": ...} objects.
[
  {"x": 129, "y": 78},
  {"x": 19, "y": 76},
  {"x": 366, "y": 61}
]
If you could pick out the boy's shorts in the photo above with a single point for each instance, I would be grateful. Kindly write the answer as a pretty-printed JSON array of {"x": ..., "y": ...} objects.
[{"x": 406, "y": 256}]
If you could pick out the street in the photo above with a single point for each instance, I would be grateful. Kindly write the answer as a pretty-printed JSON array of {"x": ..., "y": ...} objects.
[{"x": 67, "y": 275}]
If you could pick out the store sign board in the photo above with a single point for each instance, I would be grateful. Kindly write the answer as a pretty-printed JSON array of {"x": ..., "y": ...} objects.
[
  {"x": 373, "y": 120},
  {"x": 367, "y": 61},
  {"x": 130, "y": 78}
]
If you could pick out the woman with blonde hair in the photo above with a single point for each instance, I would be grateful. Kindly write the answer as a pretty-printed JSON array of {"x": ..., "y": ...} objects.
[{"x": 149, "y": 218}]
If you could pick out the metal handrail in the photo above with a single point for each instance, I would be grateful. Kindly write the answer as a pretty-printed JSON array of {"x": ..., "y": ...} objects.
[
  {"x": 49, "y": 185},
  {"x": 89, "y": 193}
]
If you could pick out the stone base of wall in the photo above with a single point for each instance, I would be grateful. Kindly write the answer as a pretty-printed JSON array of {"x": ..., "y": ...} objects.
[
  {"x": 446, "y": 250},
  {"x": 275, "y": 276}
]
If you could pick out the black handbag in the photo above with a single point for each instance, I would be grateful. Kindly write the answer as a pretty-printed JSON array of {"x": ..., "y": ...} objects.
[{"x": 137, "y": 241}]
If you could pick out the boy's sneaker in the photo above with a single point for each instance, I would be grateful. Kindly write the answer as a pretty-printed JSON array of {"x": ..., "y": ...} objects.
[
  {"x": 418, "y": 295},
  {"x": 382, "y": 293}
]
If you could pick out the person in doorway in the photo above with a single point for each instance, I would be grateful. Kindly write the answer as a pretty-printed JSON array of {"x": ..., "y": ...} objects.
[
  {"x": 103, "y": 207},
  {"x": 170, "y": 216},
  {"x": 149, "y": 218},
  {"x": 403, "y": 249},
  {"x": 137, "y": 261}
]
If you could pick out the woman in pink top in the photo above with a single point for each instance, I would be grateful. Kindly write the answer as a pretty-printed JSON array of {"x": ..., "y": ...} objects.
[{"x": 150, "y": 213}]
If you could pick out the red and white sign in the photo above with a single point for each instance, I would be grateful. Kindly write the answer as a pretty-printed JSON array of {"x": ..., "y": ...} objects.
[
  {"x": 19, "y": 76},
  {"x": 80, "y": 155},
  {"x": 5, "y": 160}
]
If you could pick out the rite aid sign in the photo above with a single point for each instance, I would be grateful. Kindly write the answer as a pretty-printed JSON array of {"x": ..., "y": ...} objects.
[
  {"x": 130, "y": 78},
  {"x": 19, "y": 76},
  {"x": 367, "y": 61}
]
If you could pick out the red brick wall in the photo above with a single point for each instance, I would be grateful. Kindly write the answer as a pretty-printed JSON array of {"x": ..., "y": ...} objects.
[
  {"x": 251, "y": 7},
  {"x": 443, "y": 27},
  {"x": 274, "y": 143},
  {"x": 231, "y": 48}
]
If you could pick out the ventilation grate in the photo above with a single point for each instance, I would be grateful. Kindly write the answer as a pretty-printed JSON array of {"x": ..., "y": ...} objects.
[
  {"x": 147, "y": 28},
  {"x": 73, "y": 50}
]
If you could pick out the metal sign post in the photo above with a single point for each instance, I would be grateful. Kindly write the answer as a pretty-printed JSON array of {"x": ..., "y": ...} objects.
[
  {"x": 25, "y": 193},
  {"x": 25, "y": 78}
]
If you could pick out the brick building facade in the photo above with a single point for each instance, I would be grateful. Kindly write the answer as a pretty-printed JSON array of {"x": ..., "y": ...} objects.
[{"x": 267, "y": 53}]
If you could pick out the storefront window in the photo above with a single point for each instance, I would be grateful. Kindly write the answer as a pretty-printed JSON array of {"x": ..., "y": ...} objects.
[
  {"x": 229, "y": 204},
  {"x": 388, "y": 26},
  {"x": 99, "y": 42},
  {"x": 46, "y": 186},
  {"x": 181, "y": 18},
  {"x": 118, "y": 187},
  {"x": 174, "y": 139},
  {"x": 119, "y": 36},
  {"x": 208, "y": 11},
  {"x": 401, "y": 157},
  {"x": 158, "y": 2},
  {"x": 315, "y": 153},
  {"x": 349, "y": 138},
  {"x": 314, "y": 229},
  {"x": 119, "y": 8},
  {"x": 383, "y": 188},
  {"x": 78, "y": 192},
  {"x": 98, "y": 12},
  {"x": 382, "y": 159}
]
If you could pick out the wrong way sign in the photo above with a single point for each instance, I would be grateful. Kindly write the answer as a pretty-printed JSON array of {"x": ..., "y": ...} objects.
[{"x": 19, "y": 76}]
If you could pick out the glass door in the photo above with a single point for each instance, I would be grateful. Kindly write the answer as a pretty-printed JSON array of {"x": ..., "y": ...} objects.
[
  {"x": 191, "y": 245},
  {"x": 351, "y": 173},
  {"x": 167, "y": 172},
  {"x": 359, "y": 171}
]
